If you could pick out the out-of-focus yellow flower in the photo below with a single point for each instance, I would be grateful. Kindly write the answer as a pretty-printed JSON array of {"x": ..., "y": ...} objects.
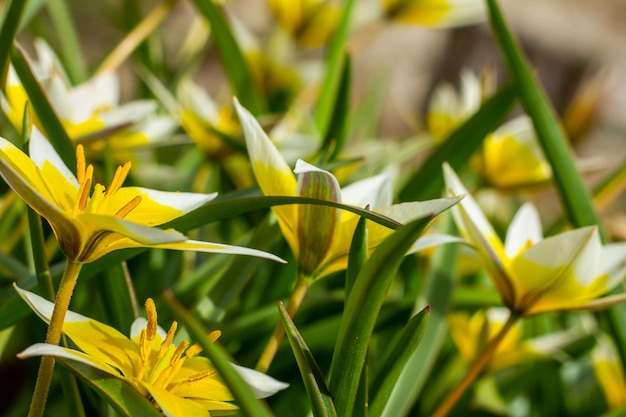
[
  {"x": 320, "y": 236},
  {"x": 434, "y": 13},
  {"x": 89, "y": 224},
  {"x": 510, "y": 157},
  {"x": 89, "y": 112},
  {"x": 567, "y": 271},
  {"x": 310, "y": 22},
  {"x": 178, "y": 381},
  {"x": 609, "y": 371},
  {"x": 471, "y": 334}
]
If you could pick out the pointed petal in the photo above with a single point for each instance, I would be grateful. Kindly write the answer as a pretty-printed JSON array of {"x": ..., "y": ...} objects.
[
  {"x": 525, "y": 228},
  {"x": 433, "y": 240},
  {"x": 45, "y": 349},
  {"x": 374, "y": 191},
  {"x": 263, "y": 385},
  {"x": 42, "y": 152},
  {"x": 199, "y": 246},
  {"x": 129, "y": 113},
  {"x": 43, "y": 308},
  {"x": 272, "y": 173},
  {"x": 613, "y": 263},
  {"x": 477, "y": 229},
  {"x": 156, "y": 207}
]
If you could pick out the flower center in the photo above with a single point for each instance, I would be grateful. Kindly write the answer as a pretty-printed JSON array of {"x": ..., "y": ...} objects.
[
  {"x": 98, "y": 202},
  {"x": 160, "y": 363}
]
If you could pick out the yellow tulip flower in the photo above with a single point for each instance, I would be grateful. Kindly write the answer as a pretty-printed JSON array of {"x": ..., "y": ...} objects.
[
  {"x": 567, "y": 271},
  {"x": 174, "y": 377}
]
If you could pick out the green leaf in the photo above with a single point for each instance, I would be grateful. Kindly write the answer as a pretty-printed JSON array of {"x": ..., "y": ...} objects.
[
  {"x": 118, "y": 296},
  {"x": 249, "y": 405},
  {"x": 321, "y": 401},
  {"x": 335, "y": 138},
  {"x": 70, "y": 49},
  {"x": 573, "y": 193},
  {"x": 223, "y": 209},
  {"x": 361, "y": 311},
  {"x": 397, "y": 355},
  {"x": 8, "y": 29},
  {"x": 124, "y": 398},
  {"x": 427, "y": 181},
  {"x": 232, "y": 58},
  {"x": 51, "y": 124},
  {"x": 438, "y": 295},
  {"x": 336, "y": 61},
  {"x": 357, "y": 256}
]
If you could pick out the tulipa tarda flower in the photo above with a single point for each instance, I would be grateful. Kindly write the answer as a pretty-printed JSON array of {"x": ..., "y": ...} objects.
[
  {"x": 88, "y": 225},
  {"x": 178, "y": 381},
  {"x": 89, "y": 111},
  {"x": 568, "y": 271},
  {"x": 320, "y": 236}
]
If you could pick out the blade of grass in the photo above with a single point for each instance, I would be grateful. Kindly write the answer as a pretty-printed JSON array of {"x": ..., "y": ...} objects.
[
  {"x": 361, "y": 311},
  {"x": 336, "y": 61},
  {"x": 73, "y": 60},
  {"x": 249, "y": 405},
  {"x": 427, "y": 181},
  {"x": 357, "y": 255},
  {"x": 52, "y": 125},
  {"x": 574, "y": 195},
  {"x": 321, "y": 401},
  {"x": 438, "y": 296},
  {"x": 232, "y": 58},
  {"x": 400, "y": 350},
  {"x": 8, "y": 29},
  {"x": 335, "y": 138}
]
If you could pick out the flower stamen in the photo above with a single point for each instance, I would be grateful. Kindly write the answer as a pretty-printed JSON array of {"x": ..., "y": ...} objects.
[
  {"x": 128, "y": 207},
  {"x": 81, "y": 163},
  {"x": 168, "y": 340},
  {"x": 118, "y": 179}
]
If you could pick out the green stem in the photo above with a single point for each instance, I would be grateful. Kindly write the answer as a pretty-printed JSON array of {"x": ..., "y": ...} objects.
[
  {"x": 293, "y": 304},
  {"x": 53, "y": 337},
  {"x": 477, "y": 367}
]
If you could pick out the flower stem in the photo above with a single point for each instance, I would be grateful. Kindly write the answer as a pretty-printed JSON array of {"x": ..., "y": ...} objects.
[
  {"x": 477, "y": 367},
  {"x": 295, "y": 299},
  {"x": 53, "y": 337}
]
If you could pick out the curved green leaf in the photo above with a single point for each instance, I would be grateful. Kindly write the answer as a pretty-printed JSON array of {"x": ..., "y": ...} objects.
[
  {"x": 396, "y": 357},
  {"x": 8, "y": 29},
  {"x": 321, "y": 401},
  {"x": 361, "y": 310}
]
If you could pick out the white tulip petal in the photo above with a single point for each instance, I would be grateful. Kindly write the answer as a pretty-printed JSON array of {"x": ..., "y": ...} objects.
[
  {"x": 139, "y": 324},
  {"x": 524, "y": 228},
  {"x": 375, "y": 191},
  {"x": 44, "y": 308},
  {"x": 185, "y": 202},
  {"x": 41, "y": 151},
  {"x": 613, "y": 263},
  {"x": 433, "y": 240},
  {"x": 45, "y": 349},
  {"x": 200, "y": 246},
  {"x": 262, "y": 385}
]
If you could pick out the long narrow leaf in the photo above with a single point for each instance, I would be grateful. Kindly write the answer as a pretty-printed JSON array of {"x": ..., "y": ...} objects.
[
  {"x": 231, "y": 56},
  {"x": 321, "y": 401},
  {"x": 336, "y": 59},
  {"x": 438, "y": 296},
  {"x": 427, "y": 182},
  {"x": 8, "y": 29},
  {"x": 361, "y": 311},
  {"x": 396, "y": 356},
  {"x": 574, "y": 195}
]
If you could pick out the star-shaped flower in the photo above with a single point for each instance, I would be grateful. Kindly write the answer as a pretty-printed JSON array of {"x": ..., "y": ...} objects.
[
  {"x": 178, "y": 381},
  {"x": 568, "y": 271},
  {"x": 89, "y": 224}
]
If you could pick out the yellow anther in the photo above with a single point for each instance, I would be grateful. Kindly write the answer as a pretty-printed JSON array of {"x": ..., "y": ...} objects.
[
  {"x": 178, "y": 352},
  {"x": 151, "y": 327},
  {"x": 168, "y": 340},
  {"x": 128, "y": 207},
  {"x": 214, "y": 335},
  {"x": 83, "y": 193},
  {"x": 528, "y": 244},
  {"x": 118, "y": 178},
  {"x": 80, "y": 163},
  {"x": 199, "y": 376},
  {"x": 193, "y": 350}
]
